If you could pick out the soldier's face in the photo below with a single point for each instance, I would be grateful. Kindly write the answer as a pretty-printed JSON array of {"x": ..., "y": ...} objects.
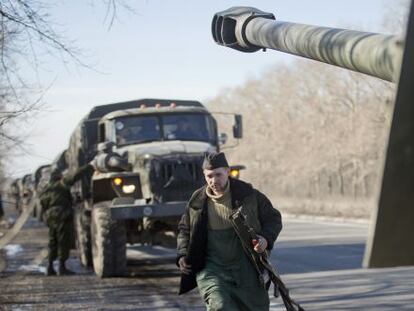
[{"x": 217, "y": 179}]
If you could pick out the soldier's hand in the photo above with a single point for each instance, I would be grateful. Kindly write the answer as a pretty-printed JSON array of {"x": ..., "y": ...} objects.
[
  {"x": 184, "y": 267},
  {"x": 260, "y": 244}
]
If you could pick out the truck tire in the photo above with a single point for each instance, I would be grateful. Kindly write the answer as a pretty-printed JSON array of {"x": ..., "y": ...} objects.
[
  {"x": 108, "y": 242},
  {"x": 83, "y": 236}
]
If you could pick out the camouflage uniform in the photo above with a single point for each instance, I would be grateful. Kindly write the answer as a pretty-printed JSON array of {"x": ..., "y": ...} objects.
[{"x": 56, "y": 202}]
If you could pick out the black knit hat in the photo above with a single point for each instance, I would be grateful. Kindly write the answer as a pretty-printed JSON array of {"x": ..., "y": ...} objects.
[{"x": 214, "y": 160}]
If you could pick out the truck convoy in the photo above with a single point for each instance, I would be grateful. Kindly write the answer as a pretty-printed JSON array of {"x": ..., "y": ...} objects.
[{"x": 149, "y": 154}]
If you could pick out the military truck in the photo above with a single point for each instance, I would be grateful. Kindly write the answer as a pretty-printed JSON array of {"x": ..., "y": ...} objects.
[
  {"x": 60, "y": 162},
  {"x": 41, "y": 178},
  {"x": 26, "y": 191},
  {"x": 149, "y": 154},
  {"x": 14, "y": 192}
]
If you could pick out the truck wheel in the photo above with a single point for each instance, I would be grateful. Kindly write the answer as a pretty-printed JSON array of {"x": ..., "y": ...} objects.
[
  {"x": 108, "y": 242},
  {"x": 83, "y": 237}
]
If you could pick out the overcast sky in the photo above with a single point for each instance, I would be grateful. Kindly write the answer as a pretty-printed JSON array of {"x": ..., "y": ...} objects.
[{"x": 164, "y": 50}]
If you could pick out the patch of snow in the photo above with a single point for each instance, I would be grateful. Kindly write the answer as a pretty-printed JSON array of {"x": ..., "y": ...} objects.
[
  {"x": 33, "y": 268},
  {"x": 13, "y": 249}
]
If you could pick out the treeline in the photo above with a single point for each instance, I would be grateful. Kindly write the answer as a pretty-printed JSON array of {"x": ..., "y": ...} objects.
[{"x": 314, "y": 136}]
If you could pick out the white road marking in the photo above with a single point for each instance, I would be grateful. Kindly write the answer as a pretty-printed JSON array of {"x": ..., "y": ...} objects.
[{"x": 323, "y": 238}]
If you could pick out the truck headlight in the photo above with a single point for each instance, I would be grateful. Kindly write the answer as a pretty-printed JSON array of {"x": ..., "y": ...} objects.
[
  {"x": 127, "y": 186},
  {"x": 117, "y": 181},
  {"x": 235, "y": 173},
  {"x": 128, "y": 189}
]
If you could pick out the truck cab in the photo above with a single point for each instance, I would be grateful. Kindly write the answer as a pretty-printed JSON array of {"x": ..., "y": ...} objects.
[{"x": 164, "y": 146}]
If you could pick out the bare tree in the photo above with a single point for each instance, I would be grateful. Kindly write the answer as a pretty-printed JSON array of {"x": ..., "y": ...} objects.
[
  {"x": 312, "y": 132},
  {"x": 27, "y": 30}
]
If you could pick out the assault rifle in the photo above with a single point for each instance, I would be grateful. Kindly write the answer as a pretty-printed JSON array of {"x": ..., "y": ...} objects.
[{"x": 260, "y": 261}]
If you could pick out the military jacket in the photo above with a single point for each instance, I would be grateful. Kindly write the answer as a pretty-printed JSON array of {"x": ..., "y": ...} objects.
[{"x": 58, "y": 193}]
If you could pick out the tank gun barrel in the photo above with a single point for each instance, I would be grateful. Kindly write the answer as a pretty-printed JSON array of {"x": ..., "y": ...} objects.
[{"x": 248, "y": 29}]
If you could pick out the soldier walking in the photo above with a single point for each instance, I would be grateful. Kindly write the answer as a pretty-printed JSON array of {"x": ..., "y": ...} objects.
[
  {"x": 56, "y": 202},
  {"x": 210, "y": 254}
]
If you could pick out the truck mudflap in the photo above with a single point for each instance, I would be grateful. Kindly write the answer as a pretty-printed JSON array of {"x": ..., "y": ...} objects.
[{"x": 139, "y": 209}]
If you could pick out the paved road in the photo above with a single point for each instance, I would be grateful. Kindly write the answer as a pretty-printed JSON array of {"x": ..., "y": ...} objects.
[{"x": 319, "y": 260}]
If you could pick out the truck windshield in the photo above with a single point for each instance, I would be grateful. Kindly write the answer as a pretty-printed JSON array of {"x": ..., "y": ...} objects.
[{"x": 189, "y": 127}]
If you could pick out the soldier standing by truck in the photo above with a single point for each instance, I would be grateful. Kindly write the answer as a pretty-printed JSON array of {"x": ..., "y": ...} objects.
[
  {"x": 210, "y": 254},
  {"x": 56, "y": 201}
]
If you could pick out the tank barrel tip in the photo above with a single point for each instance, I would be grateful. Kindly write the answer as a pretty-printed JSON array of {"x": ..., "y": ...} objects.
[{"x": 228, "y": 27}]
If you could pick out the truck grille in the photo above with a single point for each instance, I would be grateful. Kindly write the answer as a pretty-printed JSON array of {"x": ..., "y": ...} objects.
[
  {"x": 176, "y": 179},
  {"x": 190, "y": 170}
]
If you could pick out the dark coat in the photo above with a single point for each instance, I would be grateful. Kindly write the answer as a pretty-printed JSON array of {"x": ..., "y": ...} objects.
[{"x": 192, "y": 229}]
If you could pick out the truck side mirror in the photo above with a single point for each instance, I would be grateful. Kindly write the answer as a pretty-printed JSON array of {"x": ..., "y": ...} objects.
[{"x": 238, "y": 126}]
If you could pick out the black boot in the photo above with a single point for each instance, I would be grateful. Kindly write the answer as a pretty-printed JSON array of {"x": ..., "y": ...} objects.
[
  {"x": 63, "y": 270},
  {"x": 50, "y": 270}
]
